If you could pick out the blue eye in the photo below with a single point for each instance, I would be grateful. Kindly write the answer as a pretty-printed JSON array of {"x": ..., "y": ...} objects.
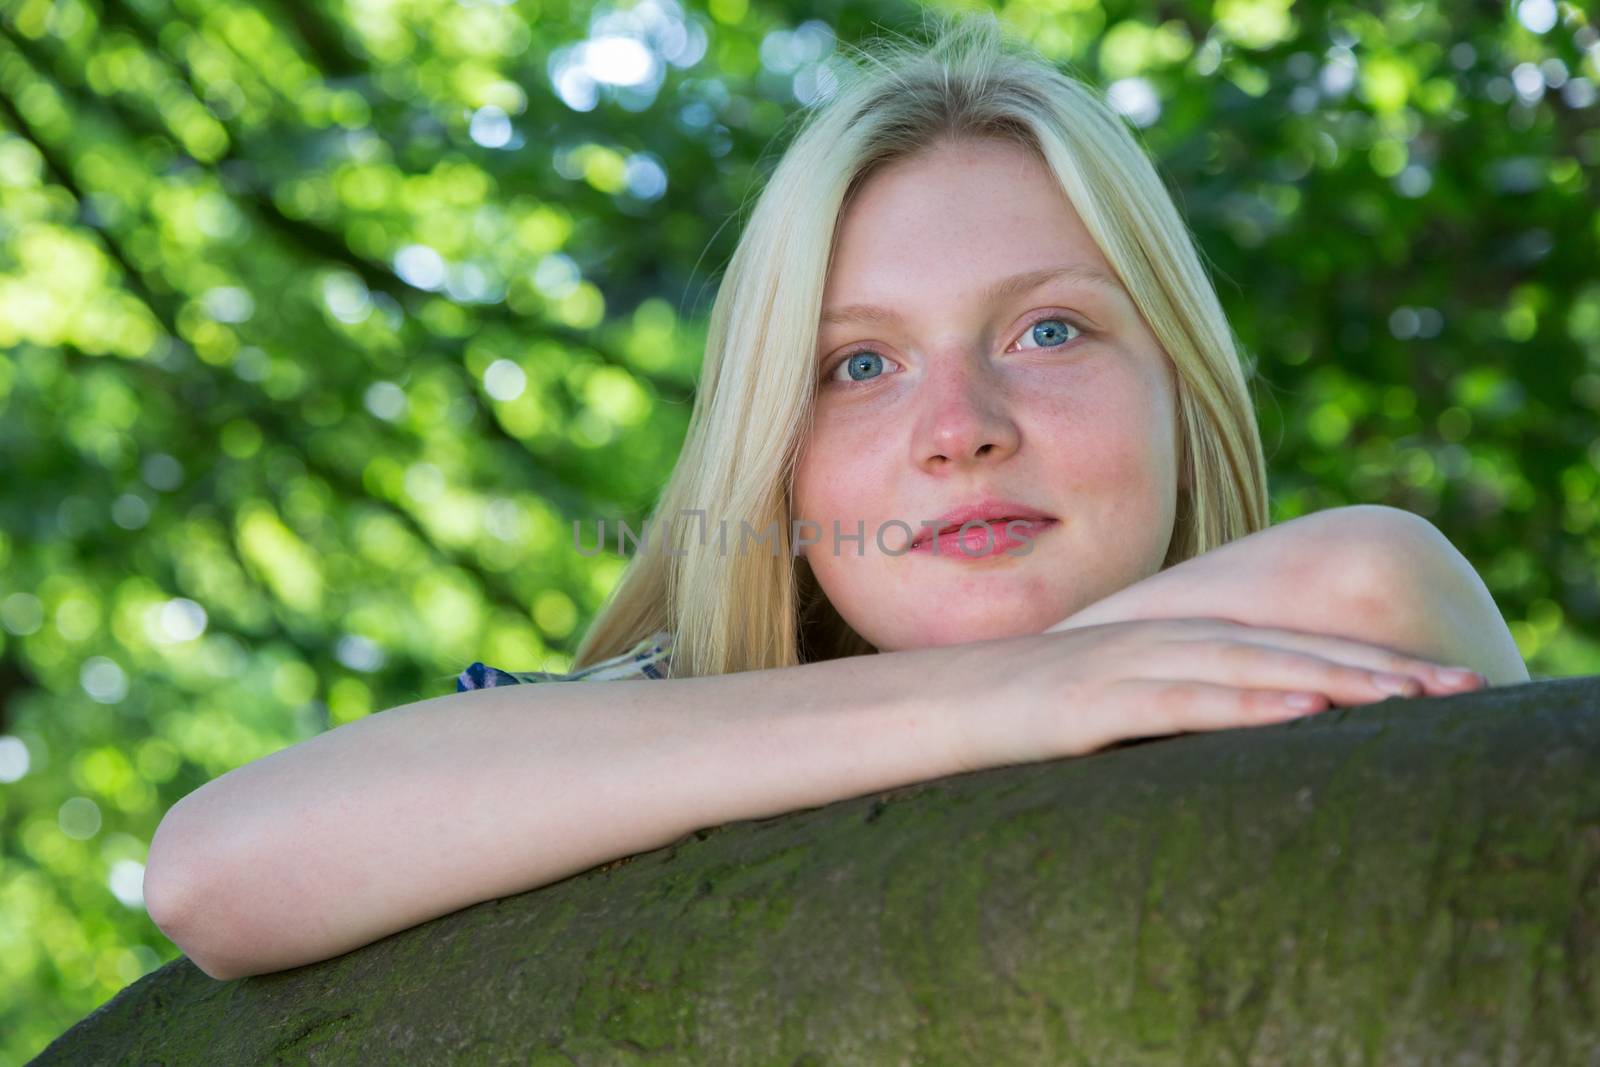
[
  {"x": 1047, "y": 331},
  {"x": 1053, "y": 328},
  {"x": 863, "y": 366}
]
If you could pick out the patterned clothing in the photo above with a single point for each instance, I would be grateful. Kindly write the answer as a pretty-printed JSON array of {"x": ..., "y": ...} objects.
[{"x": 650, "y": 658}]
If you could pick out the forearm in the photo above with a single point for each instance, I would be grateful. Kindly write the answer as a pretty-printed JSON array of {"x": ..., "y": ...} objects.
[
  {"x": 429, "y": 807},
  {"x": 1366, "y": 572},
  {"x": 1243, "y": 581}
]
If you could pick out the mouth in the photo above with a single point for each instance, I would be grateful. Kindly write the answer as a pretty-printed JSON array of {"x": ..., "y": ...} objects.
[{"x": 997, "y": 524}]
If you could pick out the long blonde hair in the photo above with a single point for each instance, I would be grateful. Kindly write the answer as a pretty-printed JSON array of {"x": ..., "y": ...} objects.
[{"x": 732, "y": 610}]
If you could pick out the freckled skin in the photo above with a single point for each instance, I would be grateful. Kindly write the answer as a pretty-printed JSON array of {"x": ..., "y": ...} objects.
[{"x": 974, "y": 399}]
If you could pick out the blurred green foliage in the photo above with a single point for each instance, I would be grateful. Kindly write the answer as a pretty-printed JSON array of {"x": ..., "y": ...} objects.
[{"x": 320, "y": 323}]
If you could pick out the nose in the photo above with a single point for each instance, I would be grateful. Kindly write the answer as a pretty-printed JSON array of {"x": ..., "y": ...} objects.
[{"x": 966, "y": 416}]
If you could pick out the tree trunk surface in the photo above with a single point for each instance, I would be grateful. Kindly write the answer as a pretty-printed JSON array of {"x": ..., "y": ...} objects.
[{"x": 1416, "y": 882}]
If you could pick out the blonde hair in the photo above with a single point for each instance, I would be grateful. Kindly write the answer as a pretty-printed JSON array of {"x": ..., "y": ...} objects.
[{"x": 731, "y": 610}]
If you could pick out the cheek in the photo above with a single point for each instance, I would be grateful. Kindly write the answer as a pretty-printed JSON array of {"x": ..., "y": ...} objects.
[
  {"x": 840, "y": 472},
  {"x": 808, "y": 479},
  {"x": 1109, "y": 436},
  {"x": 810, "y": 475}
]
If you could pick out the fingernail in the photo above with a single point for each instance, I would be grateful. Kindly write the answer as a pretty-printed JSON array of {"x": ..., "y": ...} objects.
[
  {"x": 1399, "y": 685},
  {"x": 1459, "y": 676},
  {"x": 1303, "y": 701}
]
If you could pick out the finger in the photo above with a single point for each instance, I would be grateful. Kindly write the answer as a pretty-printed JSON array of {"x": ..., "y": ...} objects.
[
  {"x": 1365, "y": 654},
  {"x": 1253, "y": 665},
  {"x": 1157, "y": 707}
]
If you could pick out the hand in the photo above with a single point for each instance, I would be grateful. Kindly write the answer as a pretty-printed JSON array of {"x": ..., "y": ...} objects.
[{"x": 1072, "y": 692}]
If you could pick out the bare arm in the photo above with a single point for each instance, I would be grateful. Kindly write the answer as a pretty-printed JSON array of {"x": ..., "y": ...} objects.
[
  {"x": 1367, "y": 572},
  {"x": 429, "y": 807},
  {"x": 1242, "y": 580}
]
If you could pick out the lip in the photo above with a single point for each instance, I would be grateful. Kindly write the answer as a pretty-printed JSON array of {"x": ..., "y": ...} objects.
[
  {"x": 988, "y": 510},
  {"x": 998, "y": 541}
]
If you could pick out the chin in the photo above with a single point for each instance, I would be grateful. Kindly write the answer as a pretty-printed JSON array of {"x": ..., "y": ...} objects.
[{"x": 962, "y": 631}]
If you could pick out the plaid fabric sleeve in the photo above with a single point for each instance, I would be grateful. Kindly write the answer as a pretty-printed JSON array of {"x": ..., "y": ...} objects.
[{"x": 650, "y": 658}]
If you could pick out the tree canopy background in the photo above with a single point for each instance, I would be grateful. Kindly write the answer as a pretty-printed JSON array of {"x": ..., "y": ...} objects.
[{"x": 321, "y": 323}]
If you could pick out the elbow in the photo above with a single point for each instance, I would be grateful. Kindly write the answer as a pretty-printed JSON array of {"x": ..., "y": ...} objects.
[
  {"x": 198, "y": 948},
  {"x": 168, "y": 882},
  {"x": 1371, "y": 555},
  {"x": 174, "y": 896},
  {"x": 1401, "y": 583}
]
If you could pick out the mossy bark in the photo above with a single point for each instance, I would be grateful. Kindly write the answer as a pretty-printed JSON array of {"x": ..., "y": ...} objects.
[{"x": 1411, "y": 882}]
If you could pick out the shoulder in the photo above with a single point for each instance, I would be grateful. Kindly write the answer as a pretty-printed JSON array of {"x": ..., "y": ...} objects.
[{"x": 649, "y": 658}]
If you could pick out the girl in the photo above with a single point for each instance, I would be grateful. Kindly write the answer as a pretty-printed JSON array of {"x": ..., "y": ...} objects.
[{"x": 963, "y": 298}]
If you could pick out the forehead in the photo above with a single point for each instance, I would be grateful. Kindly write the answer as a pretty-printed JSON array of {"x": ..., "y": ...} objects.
[{"x": 960, "y": 219}]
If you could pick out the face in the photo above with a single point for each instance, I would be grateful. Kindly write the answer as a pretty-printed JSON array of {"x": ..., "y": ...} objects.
[{"x": 1052, "y": 393}]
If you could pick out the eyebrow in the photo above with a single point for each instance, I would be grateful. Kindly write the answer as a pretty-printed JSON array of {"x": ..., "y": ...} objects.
[{"x": 1027, "y": 281}]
